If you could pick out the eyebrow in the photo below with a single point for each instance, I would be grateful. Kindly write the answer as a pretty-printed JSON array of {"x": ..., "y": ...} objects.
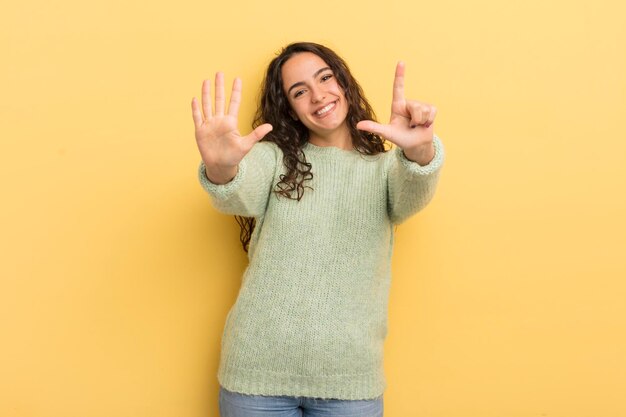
[{"x": 302, "y": 82}]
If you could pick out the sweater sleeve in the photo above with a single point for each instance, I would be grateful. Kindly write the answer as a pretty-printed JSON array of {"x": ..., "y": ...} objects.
[
  {"x": 247, "y": 193},
  {"x": 410, "y": 186}
]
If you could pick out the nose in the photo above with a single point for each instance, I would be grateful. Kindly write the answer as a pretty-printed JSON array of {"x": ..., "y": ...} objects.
[{"x": 317, "y": 95}]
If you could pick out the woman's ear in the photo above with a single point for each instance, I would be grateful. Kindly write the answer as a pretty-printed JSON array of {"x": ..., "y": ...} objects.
[{"x": 293, "y": 114}]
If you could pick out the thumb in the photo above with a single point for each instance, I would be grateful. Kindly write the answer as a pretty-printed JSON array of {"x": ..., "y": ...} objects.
[
  {"x": 373, "y": 127},
  {"x": 258, "y": 133}
]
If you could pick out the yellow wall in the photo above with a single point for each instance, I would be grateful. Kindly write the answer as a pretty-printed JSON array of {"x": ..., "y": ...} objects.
[{"x": 116, "y": 274}]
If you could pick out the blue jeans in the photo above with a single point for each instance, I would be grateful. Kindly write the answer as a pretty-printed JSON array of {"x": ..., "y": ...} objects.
[{"x": 234, "y": 404}]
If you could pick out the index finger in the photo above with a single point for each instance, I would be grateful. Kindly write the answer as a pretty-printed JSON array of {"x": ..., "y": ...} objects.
[{"x": 398, "y": 83}]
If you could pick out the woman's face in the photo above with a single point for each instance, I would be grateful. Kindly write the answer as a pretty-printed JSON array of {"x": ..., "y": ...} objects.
[{"x": 315, "y": 96}]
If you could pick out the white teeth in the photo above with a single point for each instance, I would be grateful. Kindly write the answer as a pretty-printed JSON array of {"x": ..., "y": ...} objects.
[{"x": 325, "y": 109}]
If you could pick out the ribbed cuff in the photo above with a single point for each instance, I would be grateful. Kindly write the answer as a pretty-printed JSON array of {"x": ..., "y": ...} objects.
[
  {"x": 418, "y": 169},
  {"x": 221, "y": 191}
]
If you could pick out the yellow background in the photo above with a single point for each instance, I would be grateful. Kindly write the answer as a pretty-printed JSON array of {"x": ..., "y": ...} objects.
[{"x": 508, "y": 296}]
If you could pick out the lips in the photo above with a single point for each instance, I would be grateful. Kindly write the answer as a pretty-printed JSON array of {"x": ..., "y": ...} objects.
[{"x": 326, "y": 109}]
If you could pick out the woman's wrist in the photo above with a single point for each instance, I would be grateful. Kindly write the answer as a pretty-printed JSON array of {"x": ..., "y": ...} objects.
[
  {"x": 422, "y": 155},
  {"x": 220, "y": 176}
]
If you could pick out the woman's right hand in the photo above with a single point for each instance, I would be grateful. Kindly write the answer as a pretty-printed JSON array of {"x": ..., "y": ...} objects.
[{"x": 221, "y": 145}]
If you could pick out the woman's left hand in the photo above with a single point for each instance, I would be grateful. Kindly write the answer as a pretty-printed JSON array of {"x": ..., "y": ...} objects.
[{"x": 410, "y": 126}]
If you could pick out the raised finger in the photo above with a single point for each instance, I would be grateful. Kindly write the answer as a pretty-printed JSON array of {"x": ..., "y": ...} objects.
[
  {"x": 206, "y": 99},
  {"x": 196, "y": 113},
  {"x": 398, "y": 83},
  {"x": 219, "y": 94},
  {"x": 235, "y": 98}
]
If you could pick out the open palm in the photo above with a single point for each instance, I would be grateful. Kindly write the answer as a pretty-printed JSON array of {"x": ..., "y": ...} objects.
[{"x": 221, "y": 145}]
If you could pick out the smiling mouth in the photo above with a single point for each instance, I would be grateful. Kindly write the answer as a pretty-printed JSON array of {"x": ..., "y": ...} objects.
[{"x": 324, "y": 110}]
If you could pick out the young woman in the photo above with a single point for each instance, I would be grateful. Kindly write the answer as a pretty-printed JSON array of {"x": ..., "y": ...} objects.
[{"x": 319, "y": 195}]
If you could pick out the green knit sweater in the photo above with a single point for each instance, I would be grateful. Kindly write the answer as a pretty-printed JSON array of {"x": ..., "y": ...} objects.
[{"x": 311, "y": 315}]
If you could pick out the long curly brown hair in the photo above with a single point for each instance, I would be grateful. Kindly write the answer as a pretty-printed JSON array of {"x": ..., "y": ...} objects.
[{"x": 291, "y": 135}]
